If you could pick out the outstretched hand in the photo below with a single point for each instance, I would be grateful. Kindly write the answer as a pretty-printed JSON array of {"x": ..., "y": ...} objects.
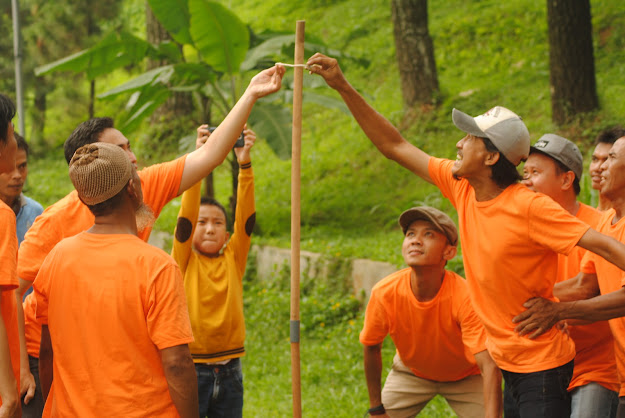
[
  {"x": 328, "y": 68},
  {"x": 266, "y": 82},
  {"x": 541, "y": 315}
]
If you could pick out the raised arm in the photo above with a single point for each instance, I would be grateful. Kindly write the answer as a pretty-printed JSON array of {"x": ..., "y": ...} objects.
[
  {"x": 379, "y": 130},
  {"x": 201, "y": 162},
  {"x": 245, "y": 213}
]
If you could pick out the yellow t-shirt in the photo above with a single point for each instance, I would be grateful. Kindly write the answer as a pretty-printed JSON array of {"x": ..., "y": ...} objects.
[{"x": 214, "y": 286}]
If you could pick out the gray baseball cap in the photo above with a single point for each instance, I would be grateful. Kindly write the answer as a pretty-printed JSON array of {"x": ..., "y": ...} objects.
[
  {"x": 439, "y": 219},
  {"x": 563, "y": 150},
  {"x": 502, "y": 126}
]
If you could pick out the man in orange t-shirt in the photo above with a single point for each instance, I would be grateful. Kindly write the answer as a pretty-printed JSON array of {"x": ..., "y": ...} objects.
[
  {"x": 115, "y": 325},
  {"x": 9, "y": 341},
  {"x": 425, "y": 302},
  {"x": 510, "y": 239},
  {"x": 597, "y": 293},
  {"x": 161, "y": 183},
  {"x": 555, "y": 167}
]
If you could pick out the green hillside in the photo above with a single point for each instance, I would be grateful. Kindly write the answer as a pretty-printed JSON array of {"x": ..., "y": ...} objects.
[{"x": 487, "y": 53}]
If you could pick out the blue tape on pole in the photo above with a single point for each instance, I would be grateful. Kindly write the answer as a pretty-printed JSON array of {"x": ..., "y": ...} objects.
[{"x": 295, "y": 331}]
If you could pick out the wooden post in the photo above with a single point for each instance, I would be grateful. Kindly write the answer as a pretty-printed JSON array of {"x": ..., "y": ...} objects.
[{"x": 296, "y": 157}]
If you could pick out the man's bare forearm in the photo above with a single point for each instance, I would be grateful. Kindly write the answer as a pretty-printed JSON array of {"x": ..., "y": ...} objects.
[
  {"x": 373, "y": 373},
  {"x": 491, "y": 375},
  {"x": 181, "y": 379}
]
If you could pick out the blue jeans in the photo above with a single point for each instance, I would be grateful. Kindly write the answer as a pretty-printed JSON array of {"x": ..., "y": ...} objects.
[
  {"x": 220, "y": 389},
  {"x": 593, "y": 401},
  {"x": 538, "y": 394}
]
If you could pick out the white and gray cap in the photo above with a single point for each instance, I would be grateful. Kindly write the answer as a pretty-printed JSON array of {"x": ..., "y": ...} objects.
[
  {"x": 563, "y": 150},
  {"x": 502, "y": 126}
]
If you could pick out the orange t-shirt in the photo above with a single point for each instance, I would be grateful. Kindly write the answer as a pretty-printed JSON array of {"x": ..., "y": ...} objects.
[
  {"x": 509, "y": 246},
  {"x": 8, "y": 284},
  {"x": 69, "y": 216},
  {"x": 111, "y": 303},
  {"x": 32, "y": 328},
  {"x": 435, "y": 339},
  {"x": 610, "y": 279},
  {"x": 594, "y": 345}
]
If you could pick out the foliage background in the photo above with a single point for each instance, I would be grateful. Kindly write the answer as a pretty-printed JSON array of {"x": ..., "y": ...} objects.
[{"x": 488, "y": 52}]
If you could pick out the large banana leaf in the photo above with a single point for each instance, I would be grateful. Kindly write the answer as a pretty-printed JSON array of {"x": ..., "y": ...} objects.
[
  {"x": 219, "y": 35},
  {"x": 177, "y": 77},
  {"x": 116, "y": 50},
  {"x": 273, "y": 122},
  {"x": 174, "y": 16},
  {"x": 141, "y": 105}
]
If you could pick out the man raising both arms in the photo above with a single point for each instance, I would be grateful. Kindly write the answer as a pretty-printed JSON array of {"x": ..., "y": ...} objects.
[{"x": 510, "y": 239}]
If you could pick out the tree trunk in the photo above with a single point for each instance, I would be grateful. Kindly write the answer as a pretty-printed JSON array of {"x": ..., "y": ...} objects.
[
  {"x": 38, "y": 121},
  {"x": 414, "y": 51},
  {"x": 180, "y": 105},
  {"x": 572, "y": 64}
]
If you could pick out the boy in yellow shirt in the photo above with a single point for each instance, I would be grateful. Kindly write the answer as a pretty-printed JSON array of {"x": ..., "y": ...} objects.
[{"x": 213, "y": 268}]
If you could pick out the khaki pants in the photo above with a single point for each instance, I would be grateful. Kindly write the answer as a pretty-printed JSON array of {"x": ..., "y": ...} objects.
[{"x": 405, "y": 395}]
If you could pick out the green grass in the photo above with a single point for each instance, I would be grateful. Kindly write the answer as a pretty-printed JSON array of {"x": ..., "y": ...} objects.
[{"x": 332, "y": 373}]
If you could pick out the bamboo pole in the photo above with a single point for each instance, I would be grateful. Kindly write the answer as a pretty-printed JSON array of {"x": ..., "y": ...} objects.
[{"x": 296, "y": 157}]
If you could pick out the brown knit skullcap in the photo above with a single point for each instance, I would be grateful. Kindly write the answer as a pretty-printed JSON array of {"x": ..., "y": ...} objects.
[{"x": 99, "y": 171}]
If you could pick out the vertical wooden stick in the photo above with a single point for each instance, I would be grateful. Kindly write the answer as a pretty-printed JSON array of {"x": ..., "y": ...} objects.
[{"x": 296, "y": 157}]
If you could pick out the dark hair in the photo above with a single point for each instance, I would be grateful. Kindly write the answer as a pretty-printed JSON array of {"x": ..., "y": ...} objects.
[
  {"x": 87, "y": 132},
  {"x": 7, "y": 112},
  {"x": 504, "y": 173},
  {"x": 212, "y": 202},
  {"x": 21, "y": 143},
  {"x": 107, "y": 207},
  {"x": 610, "y": 135}
]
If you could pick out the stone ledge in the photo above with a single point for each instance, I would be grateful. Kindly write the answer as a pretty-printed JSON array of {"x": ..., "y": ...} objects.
[{"x": 270, "y": 261}]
